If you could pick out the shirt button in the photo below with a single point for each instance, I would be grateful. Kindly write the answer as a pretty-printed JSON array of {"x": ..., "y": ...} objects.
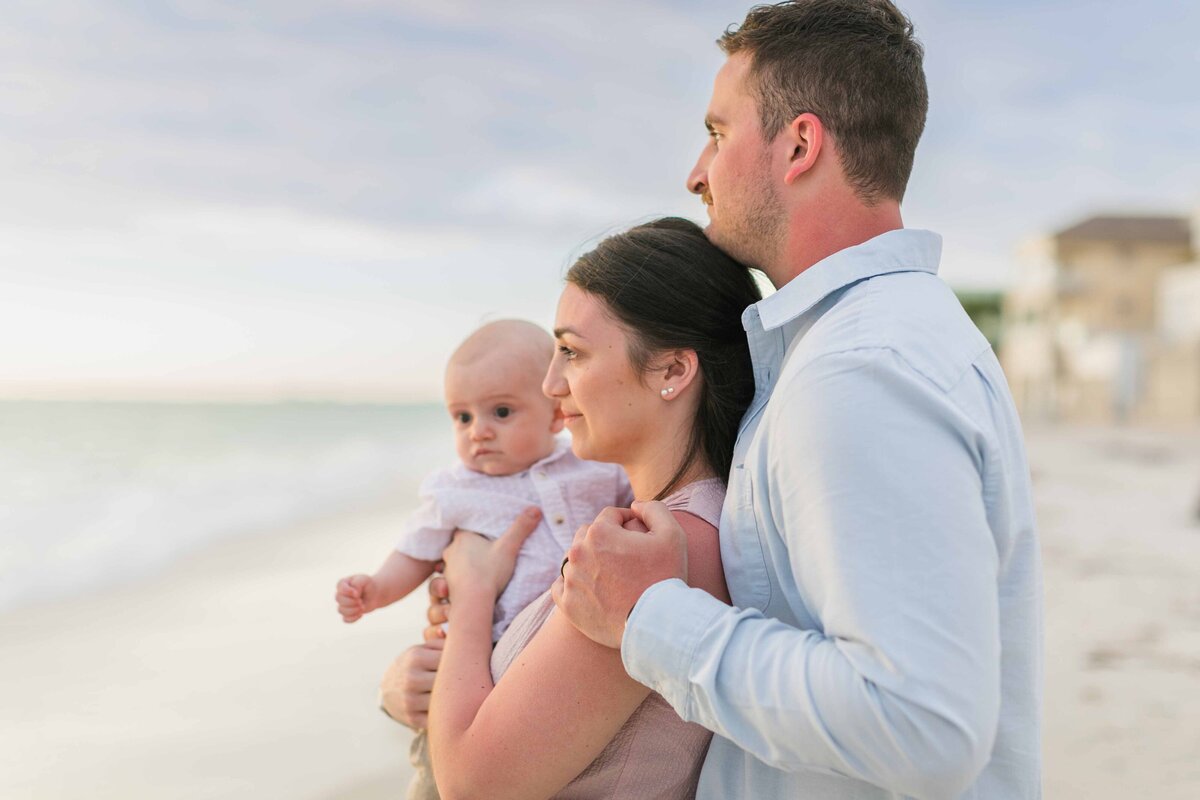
[
  {"x": 541, "y": 473},
  {"x": 559, "y": 520}
]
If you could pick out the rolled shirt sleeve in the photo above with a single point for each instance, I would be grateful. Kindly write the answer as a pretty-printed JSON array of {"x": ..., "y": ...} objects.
[{"x": 870, "y": 486}]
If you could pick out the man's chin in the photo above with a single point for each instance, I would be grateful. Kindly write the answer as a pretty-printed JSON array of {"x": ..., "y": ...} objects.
[
  {"x": 712, "y": 232},
  {"x": 727, "y": 247}
]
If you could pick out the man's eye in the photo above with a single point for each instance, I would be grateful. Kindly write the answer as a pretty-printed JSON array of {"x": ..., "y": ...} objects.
[
  {"x": 463, "y": 418},
  {"x": 503, "y": 411}
]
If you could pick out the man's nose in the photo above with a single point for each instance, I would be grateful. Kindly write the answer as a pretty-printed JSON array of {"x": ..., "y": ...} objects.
[{"x": 697, "y": 180}]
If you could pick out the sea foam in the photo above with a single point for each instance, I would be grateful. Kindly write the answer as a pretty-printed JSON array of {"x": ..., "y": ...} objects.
[{"x": 98, "y": 493}]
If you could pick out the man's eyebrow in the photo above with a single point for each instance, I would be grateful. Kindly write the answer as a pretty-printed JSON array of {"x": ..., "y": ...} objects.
[{"x": 711, "y": 120}]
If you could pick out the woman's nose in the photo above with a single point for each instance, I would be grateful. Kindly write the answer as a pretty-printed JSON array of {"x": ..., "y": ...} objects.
[{"x": 553, "y": 385}]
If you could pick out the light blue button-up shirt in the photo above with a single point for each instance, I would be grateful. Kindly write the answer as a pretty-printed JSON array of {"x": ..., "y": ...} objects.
[{"x": 878, "y": 542}]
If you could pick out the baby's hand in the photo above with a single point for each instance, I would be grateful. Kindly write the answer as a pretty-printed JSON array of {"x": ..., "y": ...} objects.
[{"x": 356, "y": 595}]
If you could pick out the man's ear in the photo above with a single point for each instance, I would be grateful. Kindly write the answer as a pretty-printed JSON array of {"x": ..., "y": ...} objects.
[
  {"x": 556, "y": 422},
  {"x": 804, "y": 137},
  {"x": 677, "y": 372}
]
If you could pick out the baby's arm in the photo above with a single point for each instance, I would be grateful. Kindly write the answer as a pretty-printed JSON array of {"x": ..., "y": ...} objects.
[{"x": 362, "y": 594}]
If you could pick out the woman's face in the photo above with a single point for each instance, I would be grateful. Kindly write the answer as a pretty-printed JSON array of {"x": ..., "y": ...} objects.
[{"x": 609, "y": 410}]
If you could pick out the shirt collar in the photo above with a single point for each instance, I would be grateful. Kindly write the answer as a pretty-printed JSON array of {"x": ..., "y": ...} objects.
[
  {"x": 562, "y": 446},
  {"x": 903, "y": 250}
]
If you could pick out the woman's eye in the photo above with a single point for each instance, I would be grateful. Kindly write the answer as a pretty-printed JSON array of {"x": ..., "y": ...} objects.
[
  {"x": 503, "y": 411},
  {"x": 567, "y": 352},
  {"x": 463, "y": 418}
]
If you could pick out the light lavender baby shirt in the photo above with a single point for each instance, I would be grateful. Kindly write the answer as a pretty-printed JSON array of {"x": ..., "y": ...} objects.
[{"x": 569, "y": 491}]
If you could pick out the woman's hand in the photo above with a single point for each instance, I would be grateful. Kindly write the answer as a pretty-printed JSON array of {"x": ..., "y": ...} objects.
[
  {"x": 438, "y": 612},
  {"x": 474, "y": 562},
  {"x": 405, "y": 689}
]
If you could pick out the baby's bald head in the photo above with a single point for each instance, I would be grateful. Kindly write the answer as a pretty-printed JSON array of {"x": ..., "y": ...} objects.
[
  {"x": 503, "y": 422},
  {"x": 518, "y": 344}
]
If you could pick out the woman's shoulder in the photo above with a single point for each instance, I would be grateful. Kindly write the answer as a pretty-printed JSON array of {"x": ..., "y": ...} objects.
[
  {"x": 701, "y": 499},
  {"x": 697, "y": 508}
]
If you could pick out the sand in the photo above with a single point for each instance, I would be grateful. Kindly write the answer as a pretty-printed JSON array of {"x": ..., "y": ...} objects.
[
  {"x": 230, "y": 675},
  {"x": 1121, "y": 547}
]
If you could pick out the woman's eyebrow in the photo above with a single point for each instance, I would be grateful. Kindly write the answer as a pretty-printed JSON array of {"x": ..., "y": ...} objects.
[{"x": 560, "y": 332}]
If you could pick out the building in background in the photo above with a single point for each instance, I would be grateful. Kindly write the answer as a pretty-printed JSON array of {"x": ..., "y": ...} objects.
[{"x": 1103, "y": 323}]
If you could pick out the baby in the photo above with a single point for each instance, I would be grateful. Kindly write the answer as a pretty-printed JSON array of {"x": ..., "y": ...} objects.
[{"x": 504, "y": 433}]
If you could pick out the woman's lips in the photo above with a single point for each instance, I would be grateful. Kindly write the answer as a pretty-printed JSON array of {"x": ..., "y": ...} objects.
[{"x": 569, "y": 418}]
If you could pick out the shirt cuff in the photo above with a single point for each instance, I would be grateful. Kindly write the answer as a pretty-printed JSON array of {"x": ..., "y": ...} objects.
[{"x": 661, "y": 636}]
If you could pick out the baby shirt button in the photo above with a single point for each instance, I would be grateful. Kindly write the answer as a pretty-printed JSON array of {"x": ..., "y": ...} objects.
[{"x": 559, "y": 520}]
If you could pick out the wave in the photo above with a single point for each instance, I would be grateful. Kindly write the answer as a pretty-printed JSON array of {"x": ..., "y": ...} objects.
[{"x": 129, "y": 503}]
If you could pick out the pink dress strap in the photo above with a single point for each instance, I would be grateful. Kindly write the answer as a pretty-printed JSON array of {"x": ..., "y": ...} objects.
[{"x": 700, "y": 498}]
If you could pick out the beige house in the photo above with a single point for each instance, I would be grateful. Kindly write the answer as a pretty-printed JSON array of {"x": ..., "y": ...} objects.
[
  {"x": 1173, "y": 380},
  {"x": 1103, "y": 323}
]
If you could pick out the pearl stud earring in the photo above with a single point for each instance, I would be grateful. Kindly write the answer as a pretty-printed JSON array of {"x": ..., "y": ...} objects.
[{"x": 667, "y": 392}]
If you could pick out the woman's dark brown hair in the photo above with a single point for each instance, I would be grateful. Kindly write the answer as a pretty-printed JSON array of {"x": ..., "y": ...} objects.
[{"x": 672, "y": 289}]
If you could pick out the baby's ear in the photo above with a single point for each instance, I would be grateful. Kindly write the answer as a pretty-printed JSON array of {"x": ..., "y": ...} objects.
[{"x": 556, "y": 422}]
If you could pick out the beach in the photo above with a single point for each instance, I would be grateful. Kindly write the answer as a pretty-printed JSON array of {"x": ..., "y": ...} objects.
[
  {"x": 1117, "y": 511},
  {"x": 229, "y": 674}
]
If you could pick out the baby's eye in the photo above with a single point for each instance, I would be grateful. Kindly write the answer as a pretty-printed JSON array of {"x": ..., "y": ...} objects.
[
  {"x": 503, "y": 411},
  {"x": 462, "y": 418}
]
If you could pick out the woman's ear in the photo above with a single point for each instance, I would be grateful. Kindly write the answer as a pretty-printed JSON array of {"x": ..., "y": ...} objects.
[{"x": 679, "y": 369}]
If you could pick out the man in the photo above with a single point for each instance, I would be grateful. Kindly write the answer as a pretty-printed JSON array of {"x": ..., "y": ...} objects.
[{"x": 878, "y": 534}]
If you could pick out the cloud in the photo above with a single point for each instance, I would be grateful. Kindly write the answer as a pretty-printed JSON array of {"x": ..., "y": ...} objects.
[{"x": 388, "y": 164}]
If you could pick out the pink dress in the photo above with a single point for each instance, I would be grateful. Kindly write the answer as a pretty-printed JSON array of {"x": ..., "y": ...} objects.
[{"x": 655, "y": 755}]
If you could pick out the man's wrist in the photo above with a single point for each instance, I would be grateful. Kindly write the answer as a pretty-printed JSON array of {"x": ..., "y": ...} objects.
[
  {"x": 662, "y": 636},
  {"x": 629, "y": 616}
]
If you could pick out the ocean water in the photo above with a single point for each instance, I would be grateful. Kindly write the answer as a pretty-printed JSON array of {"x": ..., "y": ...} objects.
[{"x": 92, "y": 494}]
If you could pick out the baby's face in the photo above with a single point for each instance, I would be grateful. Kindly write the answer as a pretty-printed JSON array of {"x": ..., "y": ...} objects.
[{"x": 502, "y": 421}]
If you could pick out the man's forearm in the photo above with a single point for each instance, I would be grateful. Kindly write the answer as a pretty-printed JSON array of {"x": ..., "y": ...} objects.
[{"x": 797, "y": 700}]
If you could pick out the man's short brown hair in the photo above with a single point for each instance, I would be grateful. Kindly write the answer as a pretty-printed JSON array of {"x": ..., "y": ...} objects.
[{"x": 856, "y": 65}]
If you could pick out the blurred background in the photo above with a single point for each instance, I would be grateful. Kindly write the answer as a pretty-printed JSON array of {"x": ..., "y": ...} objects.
[{"x": 238, "y": 241}]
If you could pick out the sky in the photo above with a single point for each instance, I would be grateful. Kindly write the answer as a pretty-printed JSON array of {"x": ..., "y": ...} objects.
[{"x": 318, "y": 200}]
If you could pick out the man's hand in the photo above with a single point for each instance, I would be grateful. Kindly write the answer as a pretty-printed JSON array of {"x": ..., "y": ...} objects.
[
  {"x": 613, "y": 561},
  {"x": 355, "y": 596},
  {"x": 405, "y": 689}
]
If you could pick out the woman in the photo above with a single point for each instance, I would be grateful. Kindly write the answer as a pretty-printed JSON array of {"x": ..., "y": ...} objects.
[{"x": 653, "y": 373}]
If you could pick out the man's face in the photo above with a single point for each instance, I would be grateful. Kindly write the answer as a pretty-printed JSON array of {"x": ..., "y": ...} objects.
[{"x": 733, "y": 173}]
